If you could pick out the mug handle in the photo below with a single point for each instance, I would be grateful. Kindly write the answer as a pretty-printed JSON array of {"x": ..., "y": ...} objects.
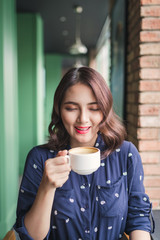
[{"x": 68, "y": 159}]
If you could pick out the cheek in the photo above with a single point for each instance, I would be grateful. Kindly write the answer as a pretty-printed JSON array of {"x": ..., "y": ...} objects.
[
  {"x": 67, "y": 119},
  {"x": 98, "y": 119}
]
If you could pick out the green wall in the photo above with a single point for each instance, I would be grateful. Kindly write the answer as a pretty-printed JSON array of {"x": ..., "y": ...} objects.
[
  {"x": 8, "y": 116},
  {"x": 53, "y": 66},
  {"x": 31, "y": 83},
  {"x": 118, "y": 46}
]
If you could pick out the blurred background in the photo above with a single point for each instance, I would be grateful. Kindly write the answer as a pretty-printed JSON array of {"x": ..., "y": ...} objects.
[{"x": 40, "y": 41}]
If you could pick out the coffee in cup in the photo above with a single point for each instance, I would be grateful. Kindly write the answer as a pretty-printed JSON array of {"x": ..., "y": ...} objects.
[{"x": 84, "y": 160}]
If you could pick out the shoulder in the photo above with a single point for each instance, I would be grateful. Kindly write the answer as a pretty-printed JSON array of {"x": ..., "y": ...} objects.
[
  {"x": 128, "y": 148},
  {"x": 38, "y": 150},
  {"x": 40, "y": 154},
  {"x": 132, "y": 156},
  {"x": 128, "y": 154},
  {"x": 36, "y": 158}
]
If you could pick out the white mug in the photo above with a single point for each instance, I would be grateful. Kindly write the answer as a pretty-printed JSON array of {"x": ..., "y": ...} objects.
[{"x": 84, "y": 160}]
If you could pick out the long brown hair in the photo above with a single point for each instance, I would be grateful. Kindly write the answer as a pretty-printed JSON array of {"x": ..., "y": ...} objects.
[{"x": 111, "y": 128}]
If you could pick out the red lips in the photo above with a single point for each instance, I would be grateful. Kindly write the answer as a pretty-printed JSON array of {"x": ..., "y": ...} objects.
[{"x": 82, "y": 130}]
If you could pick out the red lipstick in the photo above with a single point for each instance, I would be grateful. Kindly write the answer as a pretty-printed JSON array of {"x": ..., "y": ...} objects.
[{"x": 82, "y": 130}]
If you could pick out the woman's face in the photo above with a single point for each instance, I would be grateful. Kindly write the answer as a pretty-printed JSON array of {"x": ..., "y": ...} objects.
[{"x": 81, "y": 115}]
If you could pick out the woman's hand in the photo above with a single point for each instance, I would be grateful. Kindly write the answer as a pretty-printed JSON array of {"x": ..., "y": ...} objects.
[
  {"x": 55, "y": 174},
  {"x": 56, "y": 171}
]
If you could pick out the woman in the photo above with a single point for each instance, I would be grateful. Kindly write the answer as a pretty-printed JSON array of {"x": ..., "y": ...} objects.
[{"x": 57, "y": 203}]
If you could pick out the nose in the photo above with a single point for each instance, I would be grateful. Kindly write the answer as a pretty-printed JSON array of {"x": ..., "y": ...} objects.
[{"x": 83, "y": 116}]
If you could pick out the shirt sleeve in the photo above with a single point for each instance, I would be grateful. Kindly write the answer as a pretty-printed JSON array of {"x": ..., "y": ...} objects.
[
  {"x": 32, "y": 176},
  {"x": 139, "y": 206}
]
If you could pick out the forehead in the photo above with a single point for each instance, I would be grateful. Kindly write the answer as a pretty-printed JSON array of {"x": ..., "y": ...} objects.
[{"x": 79, "y": 92}]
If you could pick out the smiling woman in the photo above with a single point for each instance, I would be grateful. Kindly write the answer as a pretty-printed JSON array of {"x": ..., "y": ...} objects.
[
  {"x": 81, "y": 115},
  {"x": 62, "y": 204},
  {"x": 85, "y": 87}
]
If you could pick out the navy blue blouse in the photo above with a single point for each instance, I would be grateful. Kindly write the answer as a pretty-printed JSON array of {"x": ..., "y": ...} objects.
[{"x": 102, "y": 205}]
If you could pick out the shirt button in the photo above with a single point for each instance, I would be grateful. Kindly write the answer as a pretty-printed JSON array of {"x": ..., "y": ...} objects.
[
  {"x": 82, "y": 209},
  {"x": 87, "y": 230}
]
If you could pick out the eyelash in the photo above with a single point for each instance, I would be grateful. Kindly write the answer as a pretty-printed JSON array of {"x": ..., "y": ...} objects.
[
  {"x": 91, "y": 109},
  {"x": 70, "y": 109}
]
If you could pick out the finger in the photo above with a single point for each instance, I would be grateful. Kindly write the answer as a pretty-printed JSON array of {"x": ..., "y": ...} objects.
[
  {"x": 60, "y": 169},
  {"x": 62, "y": 153},
  {"x": 61, "y": 177},
  {"x": 56, "y": 161},
  {"x": 58, "y": 179},
  {"x": 57, "y": 165}
]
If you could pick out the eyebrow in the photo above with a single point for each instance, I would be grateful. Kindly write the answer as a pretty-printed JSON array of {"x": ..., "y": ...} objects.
[{"x": 74, "y": 103}]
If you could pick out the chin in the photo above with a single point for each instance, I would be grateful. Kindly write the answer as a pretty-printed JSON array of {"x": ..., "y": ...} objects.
[{"x": 85, "y": 140}]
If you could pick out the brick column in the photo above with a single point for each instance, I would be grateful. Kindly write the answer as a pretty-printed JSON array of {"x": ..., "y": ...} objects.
[{"x": 143, "y": 88}]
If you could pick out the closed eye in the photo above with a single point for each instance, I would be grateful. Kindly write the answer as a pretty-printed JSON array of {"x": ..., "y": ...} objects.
[
  {"x": 70, "y": 109},
  {"x": 94, "y": 109},
  {"x": 71, "y": 106}
]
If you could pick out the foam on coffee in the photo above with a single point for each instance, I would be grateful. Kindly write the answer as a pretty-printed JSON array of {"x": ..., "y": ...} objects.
[{"x": 83, "y": 150}]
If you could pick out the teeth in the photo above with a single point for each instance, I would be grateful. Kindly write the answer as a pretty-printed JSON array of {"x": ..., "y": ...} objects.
[{"x": 83, "y": 129}]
